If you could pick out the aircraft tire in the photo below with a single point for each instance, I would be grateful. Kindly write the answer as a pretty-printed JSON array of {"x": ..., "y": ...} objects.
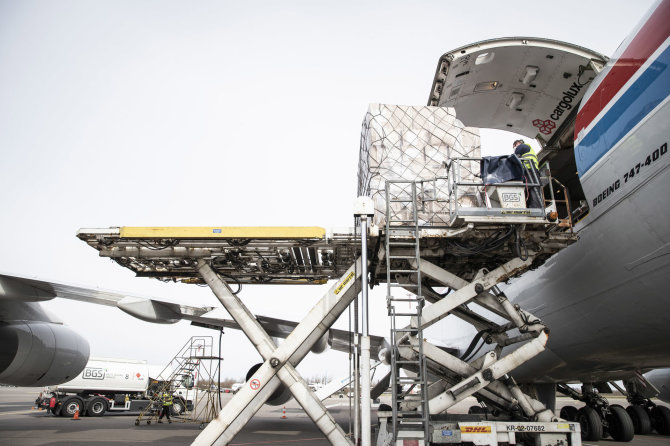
[
  {"x": 476, "y": 410},
  {"x": 660, "y": 419},
  {"x": 620, "y": 424},
  {"x": 641, "y": 420},
  {"x": 592, "y": 425},
  {"x": 569, "y": 413}
]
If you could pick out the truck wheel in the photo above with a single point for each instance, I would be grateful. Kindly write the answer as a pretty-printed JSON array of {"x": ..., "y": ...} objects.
[
  {"x": 70, "y": 406},
  {"x": 97, "y": 407},
  {"x": 178, "y": 407}
]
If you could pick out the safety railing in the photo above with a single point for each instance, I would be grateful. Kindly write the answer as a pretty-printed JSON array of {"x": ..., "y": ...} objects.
[
  {"x": 461, "y": 197},
  {"x": 476, "y": 201}
]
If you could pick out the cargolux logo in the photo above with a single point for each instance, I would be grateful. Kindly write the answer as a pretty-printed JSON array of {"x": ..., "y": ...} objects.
[{"x": 546, "y": 127}]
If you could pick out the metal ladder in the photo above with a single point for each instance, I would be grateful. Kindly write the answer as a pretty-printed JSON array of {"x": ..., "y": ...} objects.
[
  {"x": 403, "y": 257},
  {"x": 192, "y": 362}
]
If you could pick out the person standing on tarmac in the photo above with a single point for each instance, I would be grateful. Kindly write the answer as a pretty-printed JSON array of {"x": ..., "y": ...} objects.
[
  {"x": 52, "y": 404},
  {"x": 167, "y": 404}
]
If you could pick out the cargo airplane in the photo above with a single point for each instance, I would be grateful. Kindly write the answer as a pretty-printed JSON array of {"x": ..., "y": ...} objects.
[{"x": 603, "y": 127}]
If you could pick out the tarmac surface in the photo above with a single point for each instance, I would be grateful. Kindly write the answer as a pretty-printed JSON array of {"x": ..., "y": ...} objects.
[{"x": 20, "y": 425}]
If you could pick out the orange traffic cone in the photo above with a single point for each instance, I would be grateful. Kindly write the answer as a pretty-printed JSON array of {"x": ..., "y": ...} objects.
[
  {"x": 76, "y": 415},
  {"x": 283, "y": 413}
]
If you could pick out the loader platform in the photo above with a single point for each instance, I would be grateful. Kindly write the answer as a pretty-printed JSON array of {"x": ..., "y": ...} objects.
[
  {"x": 306, "y": 255},
  {"x": 462, "y": 240}
]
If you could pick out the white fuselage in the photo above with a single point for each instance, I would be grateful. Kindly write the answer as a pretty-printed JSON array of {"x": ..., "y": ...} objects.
[{"x": 605, "y": 298}]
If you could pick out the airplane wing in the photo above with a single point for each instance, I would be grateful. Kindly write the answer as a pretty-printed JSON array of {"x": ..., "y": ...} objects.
[
  {"x": 151, "y": 310},
  {"x": 280, "y": 328},
  {"x": 158, "y": 311}
]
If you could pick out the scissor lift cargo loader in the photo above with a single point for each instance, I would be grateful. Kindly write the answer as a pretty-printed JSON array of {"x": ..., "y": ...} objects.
[{"x": 443, "y": 255}]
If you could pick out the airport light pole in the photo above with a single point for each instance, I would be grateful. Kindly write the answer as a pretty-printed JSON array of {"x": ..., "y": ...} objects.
[{"x": 364, "y": 208}]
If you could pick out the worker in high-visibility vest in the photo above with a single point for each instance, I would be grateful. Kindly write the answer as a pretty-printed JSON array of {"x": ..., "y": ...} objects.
[
  {"x": 166, "y": 398},
  {"x": 526, "y": 154}
]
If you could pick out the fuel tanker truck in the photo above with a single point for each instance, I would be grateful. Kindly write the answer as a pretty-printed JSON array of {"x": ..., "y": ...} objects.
[{"x": 112, "y": 385}]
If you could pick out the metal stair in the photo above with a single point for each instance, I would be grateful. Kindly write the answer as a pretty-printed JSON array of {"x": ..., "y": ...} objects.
[
  {"x": 410, "y": 392},
  {"x": 195, "y": 362}
]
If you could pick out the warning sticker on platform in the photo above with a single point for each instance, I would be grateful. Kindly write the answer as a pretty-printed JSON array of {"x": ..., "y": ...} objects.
[
  {"x": 254, "y": 384},
  {"x": 344, "y": 283},
  {"x": 515, "y": 212},
  {"x": 475, "y": 429}
]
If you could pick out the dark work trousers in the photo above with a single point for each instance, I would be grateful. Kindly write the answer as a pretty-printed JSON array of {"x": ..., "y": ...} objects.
[
  {"x": 165, "y": 411},
  {"x": 534, "y": 198}
]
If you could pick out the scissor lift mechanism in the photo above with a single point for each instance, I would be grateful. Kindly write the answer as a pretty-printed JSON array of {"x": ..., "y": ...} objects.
[{"x": 225, "y": 256}]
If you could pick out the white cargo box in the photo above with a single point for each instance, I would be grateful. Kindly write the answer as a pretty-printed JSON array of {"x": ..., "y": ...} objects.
[
  {"x": 414, "y": 143},
  {"x": 510, "y": 196}
]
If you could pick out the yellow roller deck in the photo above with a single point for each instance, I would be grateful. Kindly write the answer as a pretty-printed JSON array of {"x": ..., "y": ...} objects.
[
  {"x": 229, "y": 232},
  {"x": 304, "y": 255}
]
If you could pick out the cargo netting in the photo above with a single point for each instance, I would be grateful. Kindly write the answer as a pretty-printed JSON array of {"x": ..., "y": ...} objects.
[{"x": 416, "y": 144}]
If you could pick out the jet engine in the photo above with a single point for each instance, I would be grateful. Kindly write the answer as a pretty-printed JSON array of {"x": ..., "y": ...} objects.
[
  {"x": 660, "y": 378},
  {"x": 279, "y": 397},
  {"x": 40, "y": 353},
  {"x": 322, "y": 344}
]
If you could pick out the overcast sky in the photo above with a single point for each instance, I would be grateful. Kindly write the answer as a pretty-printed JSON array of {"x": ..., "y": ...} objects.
[{"x": 164, "y": 113}]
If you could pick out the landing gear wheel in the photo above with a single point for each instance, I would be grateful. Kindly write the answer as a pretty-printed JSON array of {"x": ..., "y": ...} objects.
[
  {"x": 641, "y": 420},
  {"x": 202, "y": 426},
  {"x": 137, "y": 422},
  {"x": 148, "y": 421},
  {"x": 660, "y": 419},
  {"x": 620, "y": 425},
  {"x": 569, "y": 413},
  {"x": 592, "y": 426},
  {"x": 476, "y": 410}
]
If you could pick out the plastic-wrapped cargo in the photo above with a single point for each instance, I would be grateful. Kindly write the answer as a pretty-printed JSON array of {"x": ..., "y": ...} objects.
[{"x": 414, "y": 143}]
